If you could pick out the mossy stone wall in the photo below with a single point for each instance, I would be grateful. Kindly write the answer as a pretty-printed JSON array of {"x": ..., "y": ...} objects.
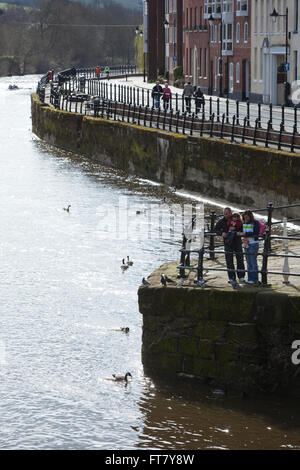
[
  {"x": 242, "y": 174},
  {"x": 237, "y": 339}
]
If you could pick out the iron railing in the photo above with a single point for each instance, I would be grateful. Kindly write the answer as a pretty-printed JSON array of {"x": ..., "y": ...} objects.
[{"x": 211, "y": 248}]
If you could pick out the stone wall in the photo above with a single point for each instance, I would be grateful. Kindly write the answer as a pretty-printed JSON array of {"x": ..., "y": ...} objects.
[
  {"x": 241, "y": 174},
  {"x": 236, "y": 339}
]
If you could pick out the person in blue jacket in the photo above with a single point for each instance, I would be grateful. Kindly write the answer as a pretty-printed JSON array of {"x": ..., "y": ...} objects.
[{"x": 251, "y": 244}]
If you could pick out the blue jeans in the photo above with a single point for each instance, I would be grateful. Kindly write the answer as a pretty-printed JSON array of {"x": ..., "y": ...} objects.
[{"x": 251, "y": 258}]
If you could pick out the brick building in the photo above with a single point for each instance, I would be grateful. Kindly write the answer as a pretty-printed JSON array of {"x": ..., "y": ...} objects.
[
  {"x": 219, "y": 67},
  {"x": 196, "y": 47}
]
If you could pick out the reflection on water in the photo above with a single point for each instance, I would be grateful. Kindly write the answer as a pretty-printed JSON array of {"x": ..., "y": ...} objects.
[{"x": 64, "y": 298}]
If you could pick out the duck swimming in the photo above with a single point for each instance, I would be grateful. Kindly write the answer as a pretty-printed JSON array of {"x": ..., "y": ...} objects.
[
  {"x": 130, "y": 263},
  {"x": 122, "y": 378},
  {"x": 124, "y": 266}
]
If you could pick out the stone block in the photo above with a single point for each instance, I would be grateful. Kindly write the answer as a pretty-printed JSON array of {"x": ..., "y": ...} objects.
[
  {"x": 241, "y": 333},
  {"x": 211, "y": 329}
]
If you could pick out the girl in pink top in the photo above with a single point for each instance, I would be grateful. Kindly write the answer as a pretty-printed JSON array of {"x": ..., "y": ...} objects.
[{"x": 166, "y": 96}]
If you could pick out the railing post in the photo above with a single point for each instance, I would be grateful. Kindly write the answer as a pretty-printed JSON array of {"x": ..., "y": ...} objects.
[
  {"x": 158, "y": 117},
  {"x": 145, "y": 116},
  {"x": 200, "y": 266},
  {"x": 293, "y": 138},
  {"x": 139, "y": 115},
  {"x": 227, "y": 111},
  {"x": 282, "y": 118},
  {"x": 267, "y": 134},
  {"x": 212, "y": 125},
  {"x": 151, "y": 116},
  {"x": 212, "y": 238},
  {"x": 177, "y": 121},
  {"x": 182, "y": 257},
  {"x": 248, "y": 113},
  {"x": 280, "y": 135},
  {"x": 255, "y": 131},
  {"x": 128, "y": 112},
  {"x": 202, "y": 122},
  {"x": 184, "y": 120},
  {"x": 123, "y": 111},
  {"x": 244, "y": 129},
  {"x": 192, "y": 124},
  {"x": 267, "y": 246},
  {"x": 232, "y": 129},
  {"x": 210, "y": 107},
  {"x": 259, "y": 114},
  {"x": 170, "y": 120},
  {"x": 271, "y": 115},
  {"x": 295, "y": 118},
  {"x": 237, "y": 113},
  {"x": 164, "y": 119},
  {"x": 222, "y": 126},
  {"x": 218, "y": 109}
]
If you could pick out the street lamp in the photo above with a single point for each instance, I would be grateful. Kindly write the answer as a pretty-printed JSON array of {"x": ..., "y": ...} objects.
[
  {"x": 211, "y": 21},
  {"x": 274, "y": 15}
]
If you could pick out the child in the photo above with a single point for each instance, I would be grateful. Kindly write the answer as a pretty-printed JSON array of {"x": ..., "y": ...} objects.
[{"x": 234, "y": 225}]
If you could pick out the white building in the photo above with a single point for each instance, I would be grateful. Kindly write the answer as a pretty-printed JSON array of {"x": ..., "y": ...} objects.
[{"x": 274, "y": 49}]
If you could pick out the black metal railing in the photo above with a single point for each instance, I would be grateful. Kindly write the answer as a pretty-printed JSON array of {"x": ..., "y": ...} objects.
[
  {"x": 211, "y": 248},
  {"x": 213, "y": 117}
]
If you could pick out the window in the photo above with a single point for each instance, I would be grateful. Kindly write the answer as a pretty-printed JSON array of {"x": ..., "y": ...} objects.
[
  {"x": 227, "y": 6},
  {"x": 196, "y": 17},
  {"x": 242, "y": 6},
  {"x": 238, "y": 32},
  {"x": 230, "y": 77},
  {"x": 237, "y": 72},
  {"x": 246, "y": 32},
  {"x": 295, "y": 65},
  {"x": 227, "y": 37}
]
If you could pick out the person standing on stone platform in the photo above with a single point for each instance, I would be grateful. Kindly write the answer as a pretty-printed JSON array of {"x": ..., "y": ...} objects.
[{"x": 234, "y": 249}]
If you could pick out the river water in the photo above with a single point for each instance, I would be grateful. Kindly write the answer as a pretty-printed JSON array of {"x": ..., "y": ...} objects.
[{"x": 64, "y": 298}]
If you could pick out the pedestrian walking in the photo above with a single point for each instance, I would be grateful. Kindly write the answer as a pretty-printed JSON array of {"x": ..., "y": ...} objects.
[
  {"x": 187, "y": 95},
  {"x": 199, "y": 99},
  {"x": 157, "y": 92},
  {"x": 166, "y": 97},
  {"x": 231, "y": 249},
  {"x": 107, "y": 71},
  {"x": 97, "y": 71}
]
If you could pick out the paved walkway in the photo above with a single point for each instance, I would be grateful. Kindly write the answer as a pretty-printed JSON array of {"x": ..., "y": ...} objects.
[{"x": 219, "y": 279}]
